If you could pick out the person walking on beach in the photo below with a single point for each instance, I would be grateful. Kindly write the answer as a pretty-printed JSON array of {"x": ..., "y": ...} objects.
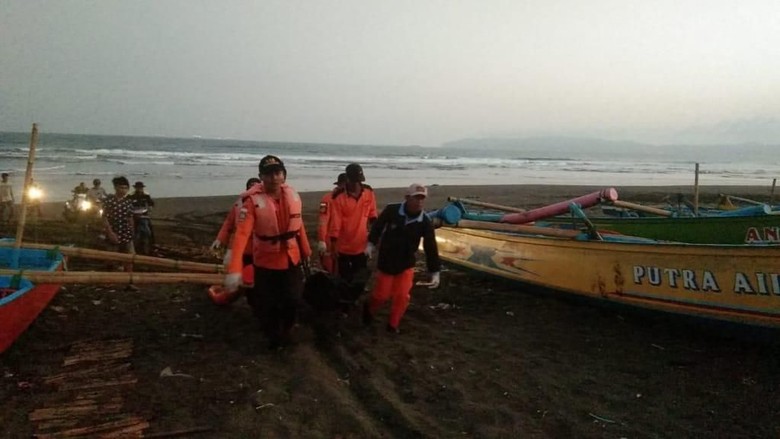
[
  {"x": 229, "y": 227},
  {"x": 118, "y": 219},
  {"x": 353, "y": 212},
  {"x": 271, "y": 215},
  {"x": 6, "y": 199},
  {"x": 96, "y": 193},
  {"x": 326, "y": 257},
  {"x": 397, "y": 233}
]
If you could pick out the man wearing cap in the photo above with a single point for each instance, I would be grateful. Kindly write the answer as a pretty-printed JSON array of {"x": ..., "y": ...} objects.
[
  {"x": 271, "y": 216},
  {"x": 326, "y": 258},
  {"x": 353, "y": 211},
  {"x": 143, "y": 222},
  {"x": 397, "y": 232}
]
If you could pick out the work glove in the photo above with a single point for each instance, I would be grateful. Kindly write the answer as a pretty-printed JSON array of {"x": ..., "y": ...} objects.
[
  {"x": 216, "y": 245},
  {"x": 435, "y": 280},
  {"x": 369, "y": 250},
  {"x": 226, "y": 258},
  {"x": 322, "y": 247},
  {"x": 232, "y": 282}
]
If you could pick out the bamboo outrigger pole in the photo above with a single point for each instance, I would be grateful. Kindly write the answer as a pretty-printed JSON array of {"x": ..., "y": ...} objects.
[
  {"x": 98, "y": 277},
  {"x": 641, "y": 208},
  {"x": 484, "y": 204},
  {"x": 696, "y": 192},
  {"x": 134, "y": 258},
  {"x": 503, "y": 227},
  {"x": 772, "y": 192}
]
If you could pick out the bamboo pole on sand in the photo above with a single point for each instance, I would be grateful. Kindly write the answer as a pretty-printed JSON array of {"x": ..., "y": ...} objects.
[
  {"x": 25, "y": 189},
  {"x": 484, "y": 204},
  {"x": 772, "y": 192},
  {"x": 99, "y": 277},
  {"x": 126, "y": 257}
]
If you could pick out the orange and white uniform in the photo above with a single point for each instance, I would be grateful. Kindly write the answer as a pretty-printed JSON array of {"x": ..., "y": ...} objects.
[
  {"x": 229, "y": 226},
  {"x": 275, "y": 227},
  {"x": 349, "y": 219}
]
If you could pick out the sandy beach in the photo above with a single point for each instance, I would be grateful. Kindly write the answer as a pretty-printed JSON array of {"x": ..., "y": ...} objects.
[{"x": 478, "y": 357}]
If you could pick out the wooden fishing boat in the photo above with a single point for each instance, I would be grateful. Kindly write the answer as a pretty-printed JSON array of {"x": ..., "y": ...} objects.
[
  {"x": 737, "y": 283},
  {"x": 20, "y": 307},
  {"x": 755, "y": 226}
]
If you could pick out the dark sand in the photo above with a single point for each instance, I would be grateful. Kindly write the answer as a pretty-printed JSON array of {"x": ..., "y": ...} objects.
[{"x": 478, "y": 357}]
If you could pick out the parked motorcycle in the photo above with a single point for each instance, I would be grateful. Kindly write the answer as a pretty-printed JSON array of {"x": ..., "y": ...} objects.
[{"x": 81, "y": 208}]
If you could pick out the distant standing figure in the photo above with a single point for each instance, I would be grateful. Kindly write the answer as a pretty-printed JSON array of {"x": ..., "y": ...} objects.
[
  {"x": 354, "y": 209},
  {"x": 397, "y": 232},
  {"x": 326, "y": 256},
  {"x": 80, "y": 189},
  {"x": 142, "y": 222},
  {"x": 6, "y": 199},
  {"x": 118, "y": 218},
  {"x": 96, "y": 193}
]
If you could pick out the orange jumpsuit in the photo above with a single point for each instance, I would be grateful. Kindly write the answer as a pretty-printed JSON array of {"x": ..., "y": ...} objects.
[{"x": 228, "y": 227}]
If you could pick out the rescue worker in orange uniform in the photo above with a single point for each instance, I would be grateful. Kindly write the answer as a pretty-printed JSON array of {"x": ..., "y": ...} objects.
[
  {"x": 271, "y": 216},
  {"x": 224, "y": 235},
  {"x": 354, "y": 209},
  {"x": 397, "y": 232},
  {"x": 326, "y": 257}
]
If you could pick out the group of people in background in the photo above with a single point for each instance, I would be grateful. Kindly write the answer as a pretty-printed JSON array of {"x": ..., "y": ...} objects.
[{"x": 270, "y": 246}]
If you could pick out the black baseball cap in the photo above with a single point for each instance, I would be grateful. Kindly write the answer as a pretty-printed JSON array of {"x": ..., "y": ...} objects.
[
  {"x": 355, "y": 173},
  {"x": 342, "y": 178},
  {"x": 270, "y": 164}
]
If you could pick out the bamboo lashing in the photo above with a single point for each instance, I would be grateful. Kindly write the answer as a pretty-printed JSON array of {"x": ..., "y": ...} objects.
[
  {"x": 99, "y": 277},
  {"x": 26, "y": 187},
  {"x": 484, "y": 204},
  {"x": 504, "y": 227},
  {"x": 125, "y": 257},
  {"x": 641, "y": 208}
]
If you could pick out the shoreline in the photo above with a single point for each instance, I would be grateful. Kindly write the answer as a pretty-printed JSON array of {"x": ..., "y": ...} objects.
[{"x": 516, "y": 195}]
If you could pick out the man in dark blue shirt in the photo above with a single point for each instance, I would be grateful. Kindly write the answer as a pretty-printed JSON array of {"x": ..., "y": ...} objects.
[{"x": 400, "y": 227}]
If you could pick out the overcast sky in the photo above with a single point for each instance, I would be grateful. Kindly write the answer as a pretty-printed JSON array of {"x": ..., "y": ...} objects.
[{"x": 394, "y": 71}]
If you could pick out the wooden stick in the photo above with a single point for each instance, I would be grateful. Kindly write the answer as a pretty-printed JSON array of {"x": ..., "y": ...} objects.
[
  {"x": 504, "y": 227},
  {"x": 26, "y": 187},
  {"x": 125, "y": 257},
  {"x": 488, "y": 205},
  {"x": 641, "y": 208},
  {"x": 772, "y": 192},
  {"x": 98, "y": 277},
  {"x": 696, "y": 193},
  {"x": 744, "y": 200}
]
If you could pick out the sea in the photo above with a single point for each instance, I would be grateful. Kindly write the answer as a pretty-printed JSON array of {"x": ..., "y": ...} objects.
[{"x": 189, "y": 167}]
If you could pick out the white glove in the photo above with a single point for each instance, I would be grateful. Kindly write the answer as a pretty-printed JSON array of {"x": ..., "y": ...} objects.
[
  {"x": 226, "y": 258},
  {"x": 369, "y": 251},
  {"x": 435, "y": 280},
  {"x": 216, "y": 244},
  {"x": 232, "y": 282},
  {"x": 322, "y": 247}
]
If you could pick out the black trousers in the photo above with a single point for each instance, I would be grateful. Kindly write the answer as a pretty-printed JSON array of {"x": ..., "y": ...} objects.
[{"x": 275, "y": 299}]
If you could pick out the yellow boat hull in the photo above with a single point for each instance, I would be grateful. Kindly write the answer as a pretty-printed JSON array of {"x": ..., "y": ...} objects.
[{"x": 733, "y": 283}]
